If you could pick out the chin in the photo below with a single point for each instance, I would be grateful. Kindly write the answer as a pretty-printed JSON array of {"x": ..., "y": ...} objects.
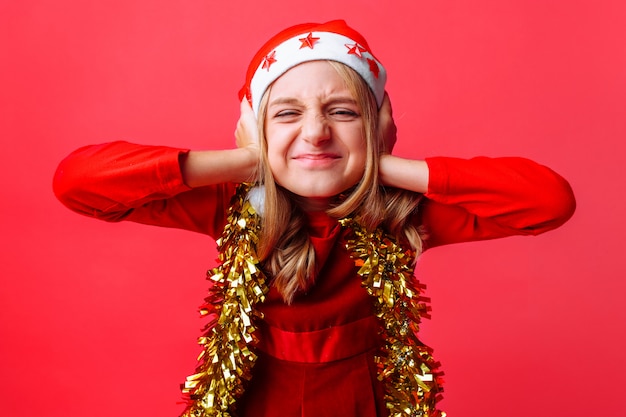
[
  {"x": 313, "y": 198},
  {"x": 319, "y": 194}
]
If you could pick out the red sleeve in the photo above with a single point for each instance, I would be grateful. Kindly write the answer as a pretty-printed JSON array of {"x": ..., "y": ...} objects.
[
  {"x": 487, "y": 198},
  {"x": 124, "y": 181}
]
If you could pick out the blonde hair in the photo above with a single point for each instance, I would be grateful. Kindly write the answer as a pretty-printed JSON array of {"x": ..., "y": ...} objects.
[{"x": 285, "y": 248}]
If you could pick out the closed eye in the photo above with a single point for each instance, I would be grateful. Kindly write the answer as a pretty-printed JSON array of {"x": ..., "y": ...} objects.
[
  {"x": 285, "y": 115},
  {"x": 344, "y": 114}
]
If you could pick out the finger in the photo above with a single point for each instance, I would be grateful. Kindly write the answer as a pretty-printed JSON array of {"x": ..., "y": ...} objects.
[
  {"x": 385, "y": 106},
  {"x": 245, "y": 107},
  {"x": 385, "y": 115},
  {"x": 245, "y": 131}
]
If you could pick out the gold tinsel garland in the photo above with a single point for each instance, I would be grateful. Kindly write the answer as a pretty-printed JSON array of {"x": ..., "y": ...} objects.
[
  {"x": 405, "y": 365},
  {"x": 226, "y": 360}
]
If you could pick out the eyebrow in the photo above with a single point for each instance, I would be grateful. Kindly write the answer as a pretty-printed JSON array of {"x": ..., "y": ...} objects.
[
  {"x": 332, "y": 100},
  {"x": 282, "y": 100}
]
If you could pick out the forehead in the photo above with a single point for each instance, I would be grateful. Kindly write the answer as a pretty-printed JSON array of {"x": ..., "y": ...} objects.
[{"x": 315, "y": 79}]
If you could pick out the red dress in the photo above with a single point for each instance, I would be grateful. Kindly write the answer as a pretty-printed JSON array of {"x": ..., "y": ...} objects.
[{"x": 316, "y": 355}]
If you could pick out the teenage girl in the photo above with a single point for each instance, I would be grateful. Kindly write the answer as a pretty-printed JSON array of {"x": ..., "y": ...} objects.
[{"x": 314, "y": 309}]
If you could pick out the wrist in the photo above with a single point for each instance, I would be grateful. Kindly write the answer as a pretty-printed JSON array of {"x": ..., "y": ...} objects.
[{"x": 407, "y": 174}]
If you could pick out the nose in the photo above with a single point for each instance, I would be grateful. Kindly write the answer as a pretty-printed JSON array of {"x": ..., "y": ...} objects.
[{"x": 315, "y": 129}]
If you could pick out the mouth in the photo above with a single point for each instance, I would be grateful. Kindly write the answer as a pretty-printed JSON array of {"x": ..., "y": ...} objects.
[
  {"x": 316, "y": 159},
  {"x": 316, "y": 156}
]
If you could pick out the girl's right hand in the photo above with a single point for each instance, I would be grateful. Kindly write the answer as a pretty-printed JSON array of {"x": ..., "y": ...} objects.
[
  {"x": 247, "y": 131},
  {"x": 207, "y": 167}
]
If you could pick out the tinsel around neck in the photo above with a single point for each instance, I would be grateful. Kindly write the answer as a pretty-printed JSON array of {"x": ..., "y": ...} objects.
[{"x": 405, "y": 365}]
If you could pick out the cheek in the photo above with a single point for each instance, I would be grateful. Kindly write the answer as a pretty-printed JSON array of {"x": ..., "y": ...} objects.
[
  {"x": 275, "y": 152},
  {"x": 359, "y": 158},
  {"x": 277, "y": 140},
  {"x": 358, "y": 171},
  {"x": 275, "y": 162},
  {"x": 358, "y": 151}
]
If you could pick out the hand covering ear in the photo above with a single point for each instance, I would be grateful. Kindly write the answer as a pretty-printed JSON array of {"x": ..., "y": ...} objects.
[
  {"x": 386, "y": 126},
  {"x": 247, "y": 133}
]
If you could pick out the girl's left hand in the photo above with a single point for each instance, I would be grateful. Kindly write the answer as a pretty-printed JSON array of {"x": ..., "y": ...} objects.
[{"x": 386, "y": 126}]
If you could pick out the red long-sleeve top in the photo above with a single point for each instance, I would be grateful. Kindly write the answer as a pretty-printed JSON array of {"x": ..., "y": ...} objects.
[
  {"x": 300, "y": 373},
  {"x": 467, "y": 199}
]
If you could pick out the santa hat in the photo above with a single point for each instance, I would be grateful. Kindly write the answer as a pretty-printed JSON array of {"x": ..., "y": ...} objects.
[{"x": 333, "y": 40}]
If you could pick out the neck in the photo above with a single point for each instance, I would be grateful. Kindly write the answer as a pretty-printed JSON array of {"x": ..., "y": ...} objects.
[{"x": 313, "y": 203}]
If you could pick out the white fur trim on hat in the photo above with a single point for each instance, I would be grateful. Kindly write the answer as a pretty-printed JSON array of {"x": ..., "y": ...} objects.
[{"x": 315, "y": 46}]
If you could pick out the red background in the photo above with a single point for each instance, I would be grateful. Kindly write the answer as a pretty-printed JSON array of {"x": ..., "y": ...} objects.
[{"x": 100, "y": 320}]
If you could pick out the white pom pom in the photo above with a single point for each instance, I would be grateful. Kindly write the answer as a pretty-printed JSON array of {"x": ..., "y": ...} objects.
[{"x": 256, "y": 197}]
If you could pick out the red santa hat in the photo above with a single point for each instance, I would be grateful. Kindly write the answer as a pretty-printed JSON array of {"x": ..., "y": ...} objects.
[{"x": 333, "y": 40}]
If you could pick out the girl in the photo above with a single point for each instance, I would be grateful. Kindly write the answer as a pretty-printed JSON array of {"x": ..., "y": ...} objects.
[{"x": 314, "y": 310}]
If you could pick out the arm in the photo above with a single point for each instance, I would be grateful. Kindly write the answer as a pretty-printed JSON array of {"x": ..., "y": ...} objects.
[
  {"x": 408, "y": 174},
  {"x": 159, "y": 185},
  {"x": 124, "y": 181},
  {"x": 393, "y": 171},
  {"x": 479, "y": 198},
  {"x": 201, "y": 168},
  {"x": 482, "y": 198}
]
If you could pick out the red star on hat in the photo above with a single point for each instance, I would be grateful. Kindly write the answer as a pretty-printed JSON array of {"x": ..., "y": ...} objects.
[
  {"x": 309, "y": 41},
  {"x": 373, "y": 67},
  {"x": 355, "y": 49},
  {"x": 268, "y": 60}
]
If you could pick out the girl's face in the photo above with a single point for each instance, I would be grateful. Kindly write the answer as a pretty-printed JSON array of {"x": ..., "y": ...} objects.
[{"x": 315, "y": 139}]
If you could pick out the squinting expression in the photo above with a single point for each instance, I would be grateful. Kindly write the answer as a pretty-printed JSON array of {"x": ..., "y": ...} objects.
[{"x": 314, "y": 133}]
